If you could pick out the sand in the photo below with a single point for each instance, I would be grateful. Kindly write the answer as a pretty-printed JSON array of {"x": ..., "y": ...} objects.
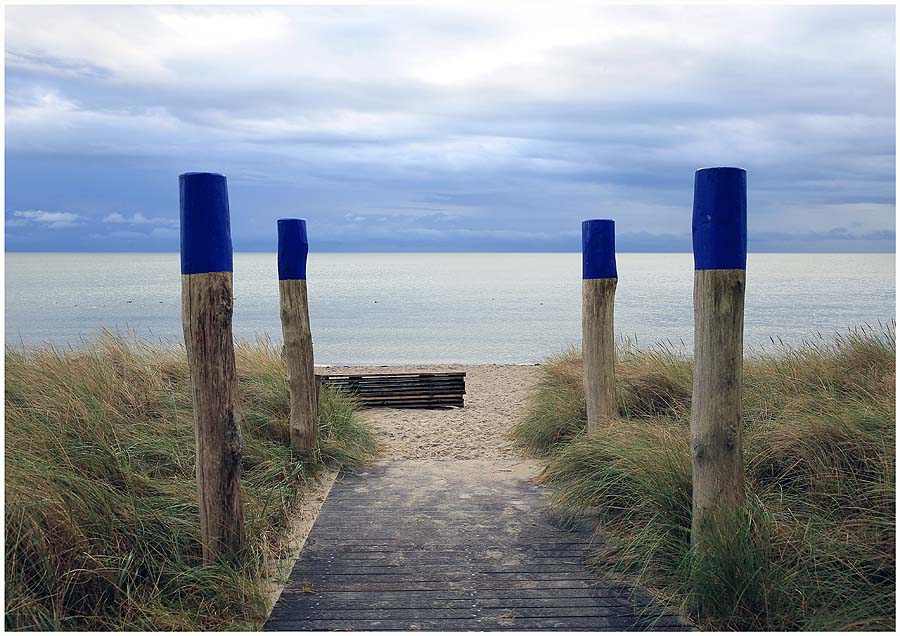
[{"x": 494, "y": 402}]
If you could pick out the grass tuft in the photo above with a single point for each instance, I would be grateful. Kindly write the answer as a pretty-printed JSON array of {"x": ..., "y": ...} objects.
[
  {"x": 102, "y": 524},
  {"x": 814, "y": 546},
  {"x": 556, "y": 407}
]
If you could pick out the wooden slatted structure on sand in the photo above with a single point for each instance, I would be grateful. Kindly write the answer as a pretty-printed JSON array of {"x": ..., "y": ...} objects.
[{"x": 402, "y": 390}]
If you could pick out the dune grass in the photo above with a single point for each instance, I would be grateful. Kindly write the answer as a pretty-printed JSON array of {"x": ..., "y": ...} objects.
[
  {"x": 814, "y": 547},
  {"x": 102, "y": 523}
]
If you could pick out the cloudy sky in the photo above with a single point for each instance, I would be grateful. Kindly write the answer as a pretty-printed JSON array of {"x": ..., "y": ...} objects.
[{"x": 435, "y": 129}]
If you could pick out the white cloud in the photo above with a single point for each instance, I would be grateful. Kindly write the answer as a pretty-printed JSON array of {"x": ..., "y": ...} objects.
[
  {"x": 138, "y": 219},
  {"x": 51, "y": 220},
  {"x": 138, "y": 42}
]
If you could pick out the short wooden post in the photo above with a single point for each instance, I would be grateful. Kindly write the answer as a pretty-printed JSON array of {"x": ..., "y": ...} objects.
[
  {"x": 598, "y": 293},
  {"x": 206, "y": 309},
  {"x": 298, "y": 349},
  {"x": 720, "y": 261}
]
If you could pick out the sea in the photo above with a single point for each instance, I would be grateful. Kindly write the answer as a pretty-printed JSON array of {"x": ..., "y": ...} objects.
[{"x": 467, "y": 308}]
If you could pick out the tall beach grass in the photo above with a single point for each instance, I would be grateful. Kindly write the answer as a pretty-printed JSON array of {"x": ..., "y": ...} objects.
[
  {"x": 814, "y": 547},
  {"x": 102, "y": 523}
]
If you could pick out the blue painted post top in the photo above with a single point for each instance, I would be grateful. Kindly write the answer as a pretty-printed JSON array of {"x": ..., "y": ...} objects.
[
  {"x": 598, "y": 249},
  {"x": 719, "y": 225},
  {"x": 293, "y": 248},
  {"x": 205, "y": 223}
]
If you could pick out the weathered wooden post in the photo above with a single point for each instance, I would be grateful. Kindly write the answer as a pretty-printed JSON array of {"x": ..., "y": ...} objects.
[
  {"x": 720, "y": 261},
  {"x": 292, "y": 251},
  {"x": 206, "y": 309},
  {"x": 598, "y": 293}
]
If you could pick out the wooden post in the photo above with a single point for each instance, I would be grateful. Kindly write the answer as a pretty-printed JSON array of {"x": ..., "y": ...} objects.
[
  {"x": 206, "y": 308},
  {"x": 720, "y": 261},
  {"x": 598, "y": 292},
  {"x": 298, "y": 349}
]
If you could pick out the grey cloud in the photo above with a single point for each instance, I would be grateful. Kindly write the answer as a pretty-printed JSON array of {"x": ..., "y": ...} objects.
[{"x": 362, "y": 109}]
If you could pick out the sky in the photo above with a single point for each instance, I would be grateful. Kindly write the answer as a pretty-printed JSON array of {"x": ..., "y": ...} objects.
[{"x": 441, "y": 128}]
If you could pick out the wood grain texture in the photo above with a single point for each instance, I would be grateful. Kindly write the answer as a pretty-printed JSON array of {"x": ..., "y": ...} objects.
[
  {"x": 298, "y": 352},
  {"x": 598, "y": 347},
  {"x": 438, "y": 547},
  {"x": 401, "y": 390},
  {"x": 716, "y": 455},
  {"x": 206, "y": 310}
]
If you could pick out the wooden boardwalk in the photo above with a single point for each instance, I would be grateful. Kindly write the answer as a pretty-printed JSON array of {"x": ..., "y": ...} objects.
[{"x": 450, "y": 546}]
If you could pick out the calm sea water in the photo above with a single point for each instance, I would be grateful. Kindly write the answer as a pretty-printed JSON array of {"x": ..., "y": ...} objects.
[{"x": 465, "y": 308}]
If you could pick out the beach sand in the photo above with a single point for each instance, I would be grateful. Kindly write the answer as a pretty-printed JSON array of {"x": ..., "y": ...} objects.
[{"x": 494, "y": 402}]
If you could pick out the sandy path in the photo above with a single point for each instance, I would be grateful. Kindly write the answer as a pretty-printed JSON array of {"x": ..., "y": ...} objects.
[{"x": 494, "y": 402}]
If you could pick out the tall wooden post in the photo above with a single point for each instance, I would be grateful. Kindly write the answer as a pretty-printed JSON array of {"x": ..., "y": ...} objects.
[
  {"x": 720, "y": 261},
  {"x": 206, "y": 308},
  {"x": 598, "y": 293},
  {"x": 298, "y": 350}
]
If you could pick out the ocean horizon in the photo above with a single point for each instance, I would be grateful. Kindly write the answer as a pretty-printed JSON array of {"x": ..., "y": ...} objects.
[{"x": 443, "y": 307}]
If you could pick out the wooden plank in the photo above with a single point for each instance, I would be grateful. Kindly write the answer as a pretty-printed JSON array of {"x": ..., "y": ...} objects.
[
  {"x": 475, "y": 624},
  {"x": 413, "y": 390},
  {"x": 456, "y": 573},
  {"x": 452, "y": 389},
  {"x": 409, "y": 404},
  {"x": 443, "y": 613},
  {"x": 448, "y": 598},
  {"x": 412, "y": 405},
  {"x": 407, "y": 392},
  {"x": 484, "y": 530},
  {"x": 400, "y": 585},
  {"x": 408, "y": 396},
  {"x": 390, "y": 378},
  {"x": 454, "y": 374},
  {"x": 419, "y": 391},
  {"x": 385, "y": 379},
  {"x": 443, "y": 599},
  {"x": 393, "y": 563},
  {"x": 355, "y": 548},
  {"x": 369, "y": 559},
  {"x": 390, "y": 384}
]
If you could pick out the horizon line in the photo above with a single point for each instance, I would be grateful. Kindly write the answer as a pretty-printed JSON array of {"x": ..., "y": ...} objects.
[{"x": 330, "y": 251}]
